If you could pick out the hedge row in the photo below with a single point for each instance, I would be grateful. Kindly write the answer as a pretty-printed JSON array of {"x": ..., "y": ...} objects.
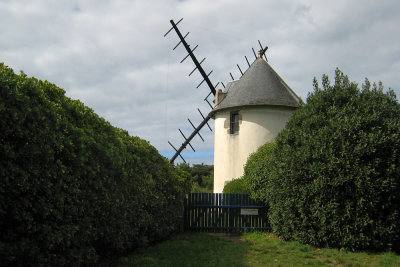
[
  {"x": 334, "y": 176},
  {"x": 74, "y": 188},
  {"x": 236, "y": 186},
  {"x": 257, "y": 170}
]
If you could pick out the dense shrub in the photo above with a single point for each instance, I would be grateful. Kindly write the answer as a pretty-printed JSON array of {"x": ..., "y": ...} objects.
[
  {"x": 337, "y": 169},
  {"x": 236, "y": 186},
  {"x": 73, "y": 187},
  {"x": 257, "y": 170}
]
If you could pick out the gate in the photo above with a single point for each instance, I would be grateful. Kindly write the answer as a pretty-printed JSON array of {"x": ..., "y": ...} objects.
[{"x": 218, "y": 212}]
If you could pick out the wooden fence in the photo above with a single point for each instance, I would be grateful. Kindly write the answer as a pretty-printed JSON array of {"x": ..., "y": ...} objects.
[{"x": 208, "y": 212}]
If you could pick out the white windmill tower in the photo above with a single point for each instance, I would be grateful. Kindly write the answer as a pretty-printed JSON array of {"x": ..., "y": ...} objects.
[{"x": 249, "y": 113}]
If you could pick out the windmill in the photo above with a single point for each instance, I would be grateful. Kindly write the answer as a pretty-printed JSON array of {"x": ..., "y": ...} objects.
[{"x": 206, "y": 79}]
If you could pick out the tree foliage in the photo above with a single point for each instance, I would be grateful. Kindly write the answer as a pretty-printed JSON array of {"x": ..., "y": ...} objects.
[
  {"x": 335, "y": 180},
  {"x": 73, "y": 187},
  {"x": 201, "y": 176}
]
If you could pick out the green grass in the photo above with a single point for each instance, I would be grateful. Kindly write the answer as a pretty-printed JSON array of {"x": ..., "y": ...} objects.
[{"x": 249, "y": 249}]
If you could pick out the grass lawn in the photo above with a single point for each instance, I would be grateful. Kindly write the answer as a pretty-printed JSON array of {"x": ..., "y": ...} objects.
[{"x": 249, "y": 249}]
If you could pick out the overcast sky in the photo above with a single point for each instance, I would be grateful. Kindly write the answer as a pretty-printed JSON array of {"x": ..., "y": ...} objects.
[{"x": 113, "y": 57}]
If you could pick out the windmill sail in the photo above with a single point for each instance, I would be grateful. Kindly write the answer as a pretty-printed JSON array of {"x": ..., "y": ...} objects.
[{"x": 205, "y": 79}]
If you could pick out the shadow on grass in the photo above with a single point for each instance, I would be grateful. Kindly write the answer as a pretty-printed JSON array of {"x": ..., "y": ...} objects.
[{"x": 192, "y": 249}]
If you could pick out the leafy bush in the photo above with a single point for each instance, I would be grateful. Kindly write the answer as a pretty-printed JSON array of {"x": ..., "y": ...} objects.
[
  {"x": 337, "y": 169},
  {"x": 73, "y": 187},
  {"x": 257, "y": 170},
  {"x": 236, "y": 186}
]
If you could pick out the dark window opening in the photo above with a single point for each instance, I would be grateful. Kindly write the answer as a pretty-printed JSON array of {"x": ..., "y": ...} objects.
[{"x": 234, "y": 123}]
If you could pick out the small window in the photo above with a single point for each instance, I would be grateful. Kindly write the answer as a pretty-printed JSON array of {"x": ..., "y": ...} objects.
[{"x": 235, "y": 122}]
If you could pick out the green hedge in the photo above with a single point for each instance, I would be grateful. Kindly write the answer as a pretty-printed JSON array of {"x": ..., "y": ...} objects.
[
  {"x": 257, "y": 170},
  {"x": 336, "y": 180},
  {"x": 236, "y": 186},
  {"x": 74, "y": 188}
]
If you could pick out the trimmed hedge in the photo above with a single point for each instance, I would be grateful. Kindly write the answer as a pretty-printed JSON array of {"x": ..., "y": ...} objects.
[
  {"x": 336, "y": 180},
  {"x": 74, "y": 188},
  {"x": 257, "y": 170},
  {"x": 236, "y": 186}
]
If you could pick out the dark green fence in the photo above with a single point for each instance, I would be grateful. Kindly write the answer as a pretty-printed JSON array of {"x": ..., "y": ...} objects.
[{"x": 208, "y": 212}]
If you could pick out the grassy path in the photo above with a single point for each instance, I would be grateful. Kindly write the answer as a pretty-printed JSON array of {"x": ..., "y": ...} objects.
[{"x": 249, "y": 249}]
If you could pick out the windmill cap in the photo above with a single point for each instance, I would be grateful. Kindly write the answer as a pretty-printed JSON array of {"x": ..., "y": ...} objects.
[{"x": 259, "y": 85}]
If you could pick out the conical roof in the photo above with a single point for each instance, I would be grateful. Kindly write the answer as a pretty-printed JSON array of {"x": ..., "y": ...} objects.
[{"x": 259, "y": 85}]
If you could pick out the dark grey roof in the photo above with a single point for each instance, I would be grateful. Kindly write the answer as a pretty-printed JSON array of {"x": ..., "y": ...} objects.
[{"x": 259, "y": 85}]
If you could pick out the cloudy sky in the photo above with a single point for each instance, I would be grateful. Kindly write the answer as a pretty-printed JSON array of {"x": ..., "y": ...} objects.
[{"x": 113, "y": 57}]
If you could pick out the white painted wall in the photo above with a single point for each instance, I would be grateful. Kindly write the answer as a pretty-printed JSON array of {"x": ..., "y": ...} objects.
[{"x": 257, "y": 126}]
